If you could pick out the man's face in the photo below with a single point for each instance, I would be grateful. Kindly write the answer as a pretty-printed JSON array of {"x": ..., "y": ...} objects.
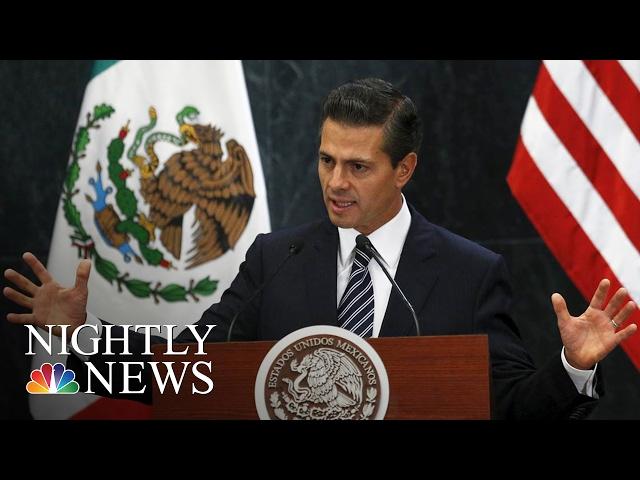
[{"x": 360, "y": 187}]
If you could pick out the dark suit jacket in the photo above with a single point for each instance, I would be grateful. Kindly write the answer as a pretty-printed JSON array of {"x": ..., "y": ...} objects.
[{"x": 454, "y": 285}]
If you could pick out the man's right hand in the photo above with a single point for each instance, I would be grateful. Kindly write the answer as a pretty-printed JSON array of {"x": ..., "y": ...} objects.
[{"x": 50, "y": 303}]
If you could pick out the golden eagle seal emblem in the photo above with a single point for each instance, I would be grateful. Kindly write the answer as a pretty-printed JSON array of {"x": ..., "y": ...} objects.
[{"x": 221, "y": 190}]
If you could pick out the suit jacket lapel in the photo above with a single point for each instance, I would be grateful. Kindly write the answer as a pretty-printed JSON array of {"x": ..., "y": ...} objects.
[
  {"x": 415, "y": 275},
  {"x": 321, "y": 274}
]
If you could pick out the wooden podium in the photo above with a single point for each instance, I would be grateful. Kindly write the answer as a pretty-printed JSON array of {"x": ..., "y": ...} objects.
[{"x": 440, "y": 377}]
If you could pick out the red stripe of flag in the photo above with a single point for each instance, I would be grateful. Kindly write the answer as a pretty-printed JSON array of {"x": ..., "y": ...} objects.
[
  {"x": 563, "y": 235},
  {"x": 618, "y": 86},
  {"x": 587, "y": 152}
]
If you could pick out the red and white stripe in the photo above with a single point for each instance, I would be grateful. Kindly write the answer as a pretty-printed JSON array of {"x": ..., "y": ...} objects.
[{"x": 576, "y": 172}]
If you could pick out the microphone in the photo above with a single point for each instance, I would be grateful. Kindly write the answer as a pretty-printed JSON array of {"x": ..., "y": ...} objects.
[
  {"x": 294, "y": 248},
  {"x": 363, "y": 243}
]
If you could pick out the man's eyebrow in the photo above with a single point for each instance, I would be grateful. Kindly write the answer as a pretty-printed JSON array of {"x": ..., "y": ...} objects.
[{"x": 350, "y": 160}]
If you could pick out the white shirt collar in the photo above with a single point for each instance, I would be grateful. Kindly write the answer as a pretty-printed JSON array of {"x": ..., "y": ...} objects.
[{"x": 388, "y": 239}]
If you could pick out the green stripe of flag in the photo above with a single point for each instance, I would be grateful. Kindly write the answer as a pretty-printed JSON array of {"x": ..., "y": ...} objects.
[{"x": 100, "y": 66}]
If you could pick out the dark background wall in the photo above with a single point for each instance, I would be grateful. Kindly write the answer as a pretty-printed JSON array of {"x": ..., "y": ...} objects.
[{"x": 472, "y": 112}]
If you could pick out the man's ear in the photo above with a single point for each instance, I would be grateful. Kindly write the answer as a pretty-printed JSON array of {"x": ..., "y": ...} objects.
[{"x": 405, "y": 169}]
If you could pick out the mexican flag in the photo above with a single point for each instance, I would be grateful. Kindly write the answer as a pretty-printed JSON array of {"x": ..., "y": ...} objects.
[{"x": 164, "y": 193}]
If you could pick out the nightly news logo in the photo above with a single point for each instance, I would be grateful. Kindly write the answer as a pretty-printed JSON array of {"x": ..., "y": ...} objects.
[
  {"x": 52, "y": 379},
  {"x": 56, "y": 379}
]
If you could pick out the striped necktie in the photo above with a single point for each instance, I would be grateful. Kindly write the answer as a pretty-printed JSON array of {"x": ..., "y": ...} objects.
[{"x": 355, "y": 311}]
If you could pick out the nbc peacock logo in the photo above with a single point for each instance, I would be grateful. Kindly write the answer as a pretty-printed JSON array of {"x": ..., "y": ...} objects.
[{"x": 54, "y": 379}]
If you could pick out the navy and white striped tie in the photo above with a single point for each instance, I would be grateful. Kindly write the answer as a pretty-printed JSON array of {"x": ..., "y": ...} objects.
[{"x": 355, "y": 311}]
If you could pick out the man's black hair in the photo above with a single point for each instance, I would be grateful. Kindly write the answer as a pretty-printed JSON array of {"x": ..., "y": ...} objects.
[{"x": 374, "y": 102}]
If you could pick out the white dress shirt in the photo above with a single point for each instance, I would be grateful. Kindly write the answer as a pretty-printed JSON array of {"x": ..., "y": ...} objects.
[{"x": 388, "y": 240}]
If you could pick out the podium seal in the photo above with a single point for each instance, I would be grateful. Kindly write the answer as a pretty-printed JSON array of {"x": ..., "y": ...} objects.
[{"x": 322, "y": 373}]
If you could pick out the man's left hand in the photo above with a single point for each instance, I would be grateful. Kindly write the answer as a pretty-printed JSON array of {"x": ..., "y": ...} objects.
[{"x": 589, "y": 338}]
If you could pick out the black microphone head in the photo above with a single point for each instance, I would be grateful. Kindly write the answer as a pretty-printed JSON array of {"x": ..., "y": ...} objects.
[
  {"x": 362, "y": 242},
  {"x": 296, "y": 246}
]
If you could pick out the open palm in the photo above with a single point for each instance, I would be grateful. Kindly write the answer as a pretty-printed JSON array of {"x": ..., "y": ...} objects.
[
  {"x": 590, "y": 337},
  {"x": 49, "y": 303}
]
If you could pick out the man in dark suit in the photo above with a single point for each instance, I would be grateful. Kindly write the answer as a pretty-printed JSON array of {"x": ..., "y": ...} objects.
[{"x": 370, "y": 136}]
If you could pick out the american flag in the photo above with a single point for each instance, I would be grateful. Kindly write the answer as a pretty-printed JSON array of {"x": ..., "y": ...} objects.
[{"x": 576, "y": 172}]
